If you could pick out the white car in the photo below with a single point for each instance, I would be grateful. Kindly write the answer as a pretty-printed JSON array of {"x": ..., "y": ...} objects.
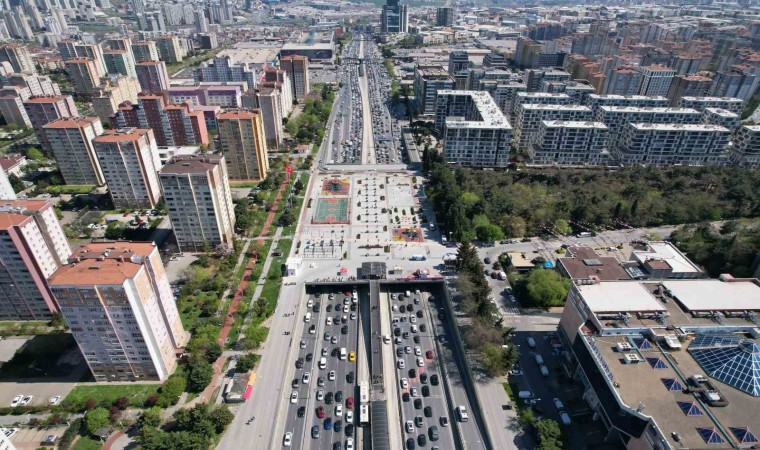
[
  {"x": 339, "y": 410},
  {"x": 404, "y": 383},
  {"x": 350, "y": 444},
  {"x": 400, "y": 363},
  {"x": 288, "y": 439},
  {"x": 306, "y": 378},
  {"x": 349, "y": 416},
  {"x": 418, "y": 351},
  {"x": 16, "y": 401},
  {"x": 414, "y": 392},
  {"x": 328, "y": 321},
  {"x": 420, "y": 362},
  {"x": 54, "y": 400},
  {"x": 294, "y": 397},
  {"x": 409, "y": 426},
  {"x": 25, "y": 401},
  {"x": 320, "y": 395},
  {"x": 331, "y": 375}
]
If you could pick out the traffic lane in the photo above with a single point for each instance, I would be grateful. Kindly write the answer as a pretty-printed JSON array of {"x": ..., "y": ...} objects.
[
  {"x": 531, "y": 379},
  {"x": 469, "y": 430}
]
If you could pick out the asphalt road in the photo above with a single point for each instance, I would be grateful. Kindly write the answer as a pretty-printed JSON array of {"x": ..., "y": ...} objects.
[
  {"x": 436, "y": 399},
  {"x": 307, "y": 393}
]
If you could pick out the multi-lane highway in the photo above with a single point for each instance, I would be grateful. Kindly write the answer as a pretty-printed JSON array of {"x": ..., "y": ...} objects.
[{"x": 347, "y": 124}]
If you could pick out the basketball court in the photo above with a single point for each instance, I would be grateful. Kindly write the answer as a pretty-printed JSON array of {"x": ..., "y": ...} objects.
[
  {"x": 331, "y": 210},
  {"x": 336, "y": 186}
]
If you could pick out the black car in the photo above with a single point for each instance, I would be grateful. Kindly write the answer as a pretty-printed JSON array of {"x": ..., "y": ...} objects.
[
  {"x": 409, "y": 308},
  {"x": 339, "y": 396},
  {"x": 353, "y": 306},
  {"x": 337, "y": 446},
  {"x": 397, "y": 332},
  {"x": 420, "y": 314},
  {"x": 402, "y": 308},
  {"x": 295, "y": 382},
  {"x": 309, "y": 357},
  {"x": 422, "y": 440},
  {"x": 405, "y": 335},
  {"x": 405, "y": 397},
  {"x": 433, "y": 432},
  {"x": 329, "y": 308},
  {"x": 423, "y": 328},
  {"x": 428, "y": 411},
  {"x": 350, "y": 377},
  {"x": 299, "y": 363},
  {"x": 337, "y": 426},
  {"x": 329, "y": 398},
  {"x": 426, "y": 391},
  {"x": 344, "y": 329},
  {"x": 316, "y": 307},
  {"x": 416, "y": 339},
  {"x": 417, "y": 403},
  {"x": 423, "y": 378},
  {"x": 410, "y": 445},
  {"x": 349, "y": 430},
  {"x": 301, "y": 411},
  {"x": 434, "y": 379},
  {"x": 412, "y": 373}
]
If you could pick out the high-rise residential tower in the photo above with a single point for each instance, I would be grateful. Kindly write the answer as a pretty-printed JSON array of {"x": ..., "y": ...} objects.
[{"x": 243, "y": 143}]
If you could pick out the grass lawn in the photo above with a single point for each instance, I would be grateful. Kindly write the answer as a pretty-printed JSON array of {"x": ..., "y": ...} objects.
[
  {"x": 69, "y": 189},
  {"x": 87, "y": 443},
  {"x": 136, "y": 393}
]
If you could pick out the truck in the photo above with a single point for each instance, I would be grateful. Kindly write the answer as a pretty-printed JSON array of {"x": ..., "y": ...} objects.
[{"x": 418, "y": 258}]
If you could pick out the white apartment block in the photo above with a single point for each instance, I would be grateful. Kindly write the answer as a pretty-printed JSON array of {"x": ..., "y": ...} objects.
[
  {"x": 32, "y": 247},
  {"x": 722, "y": 117},
  {"x": 661, "y": 144},
  {"x": 615, "y": 117},
  {"x": 746, "y": 149},
  {"x": 130, "y": 164},
  {"x": 594, "y": 101},
  {"x": 117, "y": 301},
  {"x": 538, "y": 98},
  {"x": 505, "y": 95},
  {"x": 529, "y": 117},
  {"x": 475, "y": 131},
  {"x": 574, "y": 143},
  {"x": 197, "y": 194},
  {"x": 224, "y": 69},
  {"x": 655, "y": 80},
  {"x": 6, "y": 190},
  {"x": 71, "y": 142},
  {"x": 735, "y": 105}
]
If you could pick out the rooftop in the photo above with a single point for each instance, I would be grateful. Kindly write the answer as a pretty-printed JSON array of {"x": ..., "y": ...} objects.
[
  {"x": 694, "y": 127},
  {"x": 628, "y": 97},
  {"x": 103, "y": 263},
  {"x": 649, "y": 109},
  {"x": 46, "y": 98},
  {"x": 433, "y": 71},
  {"x": 122, "y": 135},
  {"x": 665, "y": 251},
  {"x": 533, "y": 95},
  {"x": 545, "y": 107},
  {"x": 238, "y": 114},
  {"x": 186, "y": 164},
  {"x": 711, "y": 295},
  {"x": 722, "y": 112},
  {"x": 574, "y": 124},
  {"x": 490, "y": 114},
  {"x": 712, "y": 99},
  {"x": 72, "y": 122},
  {"x": 619, "y": 297}
]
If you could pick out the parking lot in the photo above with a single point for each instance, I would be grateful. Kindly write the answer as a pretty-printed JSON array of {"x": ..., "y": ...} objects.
[{"x": 322, "y": 410}]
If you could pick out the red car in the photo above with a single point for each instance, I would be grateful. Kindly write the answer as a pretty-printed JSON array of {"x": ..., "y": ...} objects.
[
  {"x": 126, "y": 214},
  {"x": 429, "y": 354},
  {"x": 321, "y": 412},
  {"x": 350, "y": 403}
]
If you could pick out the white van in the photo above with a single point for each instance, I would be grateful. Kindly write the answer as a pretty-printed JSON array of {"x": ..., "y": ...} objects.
[
  {"x": 565, "y": 417},
  {"x": 323, "y": 363},
  {"x": 408, "y": 294},
  {"x": 539, "y": 359},
  {"x": 544, "y": 370},
  {"x": 307, "y": 317},
  {"x": 343, "y": 353},
  {"x": 462, "y": 414},
  {"x": 531, "y": 342},
  {"x": 525, "y": 394}
]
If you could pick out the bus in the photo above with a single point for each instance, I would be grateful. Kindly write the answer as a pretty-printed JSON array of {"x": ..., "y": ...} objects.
[
  {"x": 363, "y": 393},
  {"x": 363, "y": 415}
]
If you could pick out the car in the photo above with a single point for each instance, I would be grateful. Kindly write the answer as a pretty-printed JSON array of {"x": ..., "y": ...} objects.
[
  {"x": 414, "y": 392},
  {"x": 420, "y": 314},
  {"x": 324, "y": 351},
  {"x": 405, "y": 396},
  {"x": 328, "y": 423},
  {"x": 404, "y": 383},
  {"x": 349, "y": 444},
  {"x": 288, "y": 439},
  {"x": 434, "y": 379},
  {"x": 327, "y": 336},
  {"x": 329, "y": 398},
  {"x": 350, "y": 403},
  {"x": 426, "y": 391},
  {"x": 414, "y": 328},
  {"x": 397, "y": 331},
  {"x": 418, "y": 421},
  {"x": 301, "y": 411},
  {"x": 16, "y": 401},
  {"x": 328, "y": 321},
  {"x": 339, "y": 410},
  {"x": 320, "y": 395},
  {"x": 349, "y": 416},
  {"x": 402, "y": 308},
  {"x": 400, "y": 363},
  {"x": 329, "y": 308},
  {"x": 423, "y": 378},
  {"x": 353, "y": 316},
  {"x": 344, "y": 329},
  {"x": 409, "y": 308},
  {"x": 416, "y": 337},
  {"x": 309, "y": 357},
  {"x": 337, "y": 446},
  {"x": 352, "y": 356},
  {"x": 294, "y": 397},
  {"x": 295, "y": 382},
  {"x": 417, "y": 403},
  {"x": 331, "y": 375},
  {"x": 349, "y": 430},
  {"x": 420, "y": 362},
  {"x": 412, "y": 373},
  {"x": 350, "y": 377},
  {"x": 334, "y": 340},
  {"x": 558, "y": 404},
  {"x": 320, "y": 382},
  {"x": 423, "y": 329},
  {"x": 302, "y": 344},
  {"x": 306, "y": 377},
  {"x": 444, "y": 421},
  {"x": 409, "y": 426},
  {"x": 400, "y": 352},
  {"x": 412, "y": 319},
  {"x": 429, "y": 354},
  {"x": 315, "y": 432},
  {"x": 338, "y": 396},
  {"x": 410, "y": 444},
  {"x": 422, "y": 440},
  {"x": 312, "y": 329},
  {"x": 405, "y": 335},
  {"x": 407, "y": 349},
  {"x": 428, "y": 411},
  {"x": 337, "y": 426}
]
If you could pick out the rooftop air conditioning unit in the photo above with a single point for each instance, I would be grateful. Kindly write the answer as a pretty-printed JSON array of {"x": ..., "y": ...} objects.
[{"x": 631, "y": 358}]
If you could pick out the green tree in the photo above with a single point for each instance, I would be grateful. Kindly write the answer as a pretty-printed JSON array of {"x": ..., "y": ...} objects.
[
  {"x": 16, "y": 182},
  {"x": 489, "y": 233},
  {"x": 95, "y": 419},
  {"x": 221, "y": 417},
  {"x": 151, "y": 417},
  {"x": 562, "y": 227},
  {"x": 200, "y": 376},
  {"x": 35, "y": 154},
  {"x": 546, "y": 288},
  {"x": 513, "y": 226},
  {"x": 246, "y": 362},
  {"x": 171, "y": 390},
  {"x": 549, "y": 435}
]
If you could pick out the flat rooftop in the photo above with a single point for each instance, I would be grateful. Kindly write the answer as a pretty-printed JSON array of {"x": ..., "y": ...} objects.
[
  {"x": 628, "y": 97},
  {"x": 583, "y": 262},
  {"x": 619, "y": 297},
  {"x": 490, "y": 114},
  {"x": 574, "y": 124},
  {"x": 251, "y": 55},
  {"x": 666, "y": 251},
  {"x": 648, "y": 109},
  {"x": 712, "y": 295},
  {"x": 692, "y": 127},
  {"x": 722, "y": 113},
  {"x": 533, "y": 95},
  {"x": 712, "y": 99},
  {"x": 545, "y": 107}
]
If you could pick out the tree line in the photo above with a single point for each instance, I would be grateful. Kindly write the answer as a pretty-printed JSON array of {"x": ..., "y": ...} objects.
[
  {"x": 730, "y": 248},
  {"x": 489, "y": 204}
]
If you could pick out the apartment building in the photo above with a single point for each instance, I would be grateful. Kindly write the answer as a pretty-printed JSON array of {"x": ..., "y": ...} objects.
[
  {"x": 622, "y": 81},
  {"x": 145, "y": 51},
  {"x": 594, "y": 101},
  {"x": 129, "y": 160},
  {"x": 6, "y": 189},
  {"x": 297, "y": 68},
  {"x": 169, "y": 49},
  {"x": 70, "y": 49},
  {"x": 280, "y": 80},
  {"x": 505, "y": 96},
  {"x": 688, "y": 86},
  {"x": 243, "y": 143},
  {"x": 112, "y": 92},
  {"x": 616, "y": 117},
  {"x": 661, "y": 144},
  {"x": 428, "y": 80},
  {"x": 85, "y": 73},
  {"x": 197, "y": 194},
  {"x": 70, "y": 141},
  {"x": 117, "y": 301},
  {"x": 12, "y": 109},
  {"x": 269, "y": 101},
  {"x": 722, "y": 117},
  {"x": 737, "y": 81},
  {"x": 475, "y": 131},
  {"x": 18, "y": 57},
  {"x": 172, "y": 124},
  {"x": 746, "y": 149},
  {"x": 567, "y": 142},
  {"x": 119, "y": 62},
  {"x": 536, "y": 77},
  {"x": 538, "y": 98},
  {"x": 735, "y": 105},
  {"x": 29, "y": 84},
  {"x": 529, "y": 116},
  {"x": 444, "y": 17},
  {"x": 208, "y": 94},
  {"x": 655, "y": 80},
  {"x": 42, "y": 110},
  {"x": 32, "y": 247},
  {"x": 153, "y": 77},
  {"x": 224, "y": 69}
]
